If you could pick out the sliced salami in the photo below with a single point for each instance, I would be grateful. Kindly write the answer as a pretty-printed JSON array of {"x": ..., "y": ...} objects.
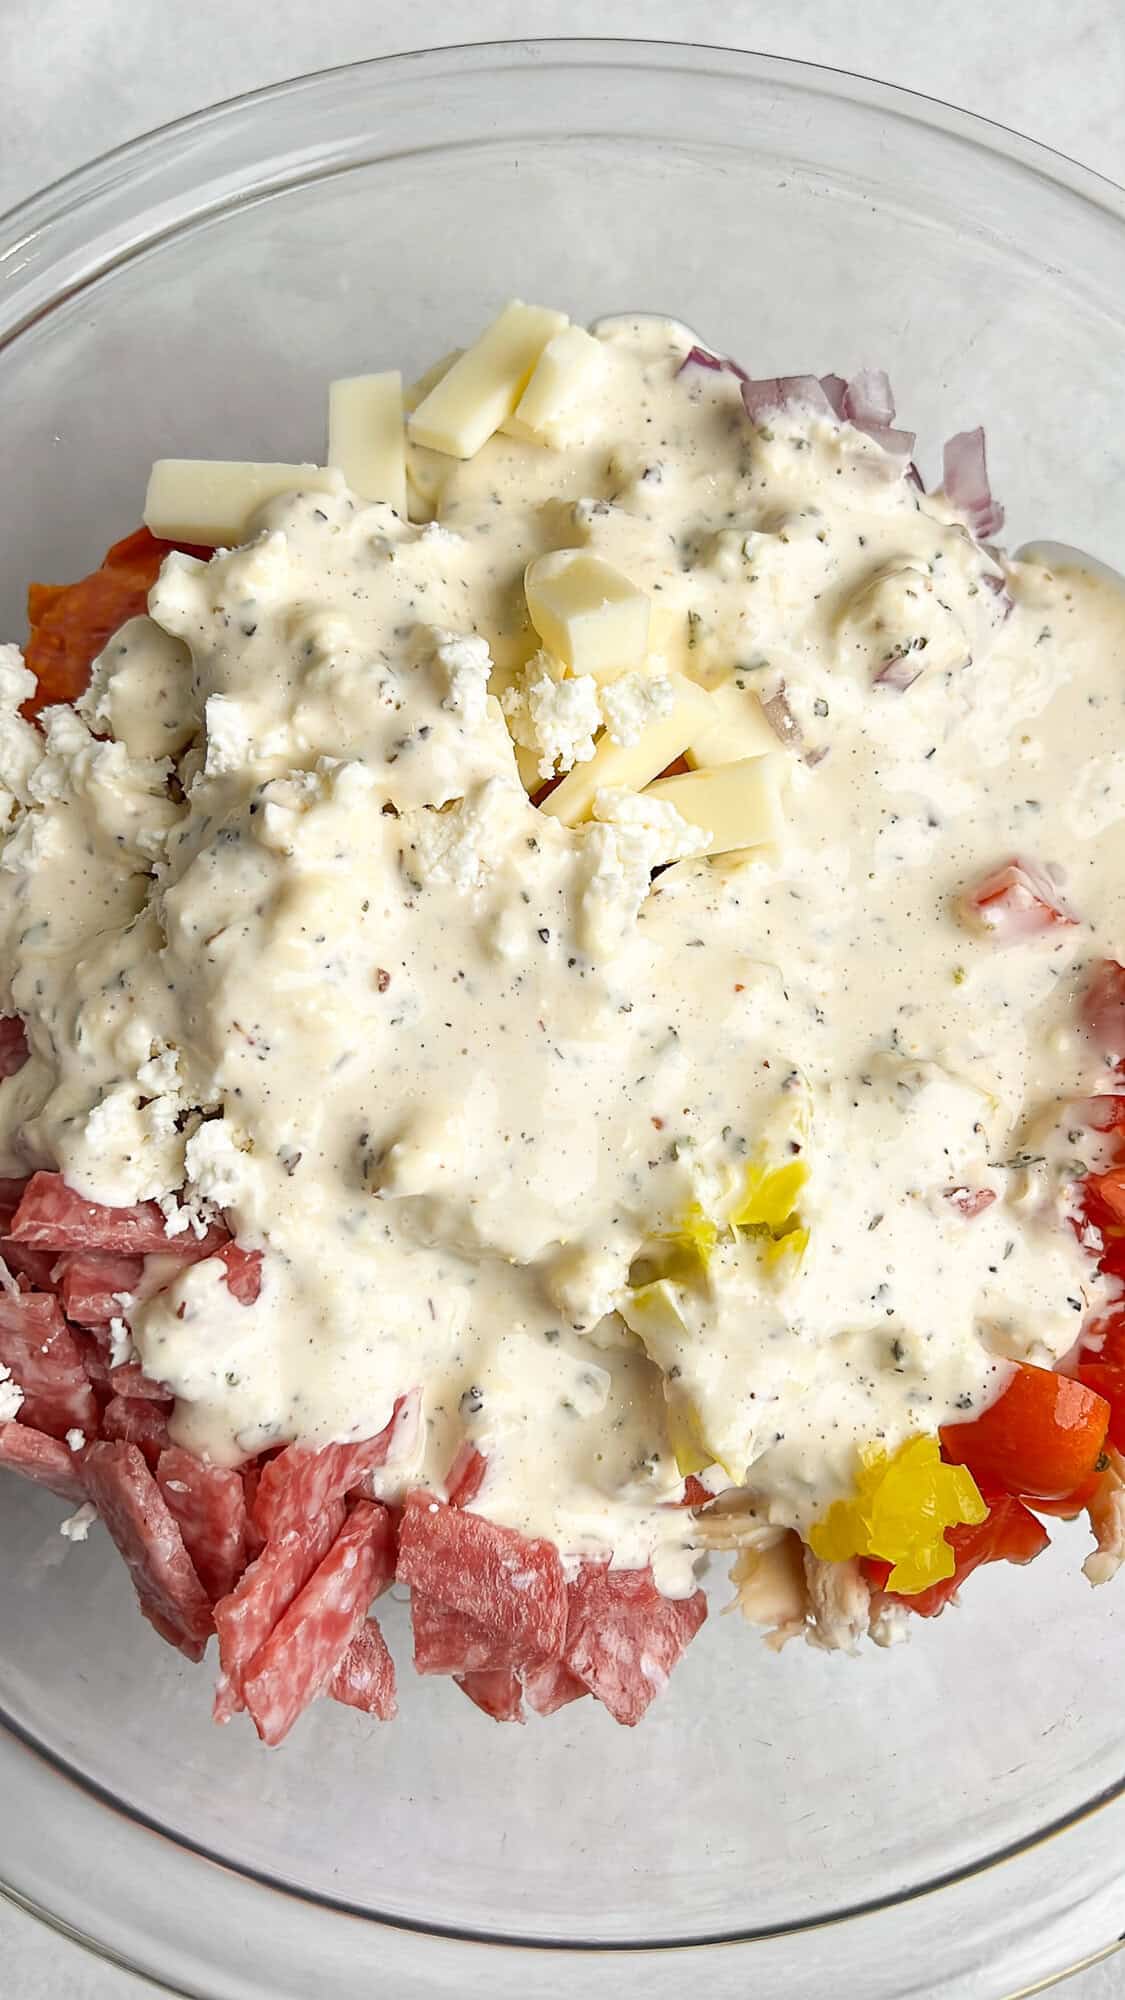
[
  {"x": 208, "y": 1502},
  {"x": 365, "y": 1677},
  {"x": 245, "y": 1619},
  {"x": 46, "y": 1460},
  {"x": 136, "y": 1420},
  {"x": 34, "y": 1268},
  {"x": 552, "y": 1686},
  {"x": 310, "y": 1639},
  {"x": 135, "y": 1515},
  {"x": 448, "y": 1642},
  {"x": 91, "y": 1284},
  {"x": 303, "y": 1479},
  {"x": 511, "y": 1586},
  {"x": 52, "y": 1217},
  {"x": 623, "y": 1638},
  {"x": 497, "y": 1691},
  {"x": 37, "y": 1346},
  {"x": 465, "y": 1477},
  {"x": 11, "y": 1194},
  {"x": 244, "y": 1272}
]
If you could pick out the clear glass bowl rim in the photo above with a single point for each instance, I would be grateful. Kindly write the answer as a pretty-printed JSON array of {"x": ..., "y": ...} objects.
[{"x": 76, "y": 230}]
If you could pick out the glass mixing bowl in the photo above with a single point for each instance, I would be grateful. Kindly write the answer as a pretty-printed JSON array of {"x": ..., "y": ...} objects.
[{"x": 794, "y": 1825}]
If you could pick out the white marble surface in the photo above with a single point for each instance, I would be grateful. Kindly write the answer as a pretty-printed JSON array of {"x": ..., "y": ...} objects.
[{"x": 83, "y": 75}]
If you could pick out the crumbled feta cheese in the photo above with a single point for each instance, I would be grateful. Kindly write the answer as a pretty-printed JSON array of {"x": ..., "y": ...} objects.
[
  {"x": 228, "y": 731},
  {"x": 463, "y": 664},
  {"x": 76, "y": 1527},
  {"x": 11, "y": 1395},
  {"x": 630, "y": 704},
  {"x": 76, "y": 1439},
  {"x": 629, "y": 837},
  {"x": 553, "y": 713},
  {"x": 215, "y": 1165},
  {"x": 121, "y": 1349},
  {"x": 462, "y": 846}
]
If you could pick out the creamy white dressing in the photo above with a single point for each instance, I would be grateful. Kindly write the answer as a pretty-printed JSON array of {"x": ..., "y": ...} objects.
[{"x": 291, "y": 940}]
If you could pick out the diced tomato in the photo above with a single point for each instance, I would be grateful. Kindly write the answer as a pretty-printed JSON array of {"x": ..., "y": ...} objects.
[
  {"x": 1010, "y": 1534},
  {"x": 1109, "y": 1188},
  {"x": 70, "y": 623},
  {"x": 969, "y": 1201},
  {"x": 1069, "y": 1505},
  {"x": 1043, "y": 1435},
  {"x": 695, "y": 1493},
  {"x": 1103, "y": 1009},
  {"x": 1107, "y": 1380},
  {"x": 1019, "y": 900},
  {"x": 1104, "y": 1113},
  {"x": 1105, "y": 1338}
]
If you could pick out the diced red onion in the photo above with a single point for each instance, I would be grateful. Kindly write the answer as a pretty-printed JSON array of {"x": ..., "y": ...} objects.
[
  {"x": 868, "y": 399},
  {"x": 782, "y": 720},
  {"x": 965, "y": 481},
  {"x": 701, "y": 357},
  {"x": 998, "y": 585},
  {"x": 773, "y": 393},
  {"x": 970, "y": 1201},
  {"x": 835, "y": 388},
  {"x": 901, "y": 671}
]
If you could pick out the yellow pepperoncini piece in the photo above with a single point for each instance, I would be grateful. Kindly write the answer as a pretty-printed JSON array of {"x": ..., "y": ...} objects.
[
  {"x": 901, "y": 1509},
  {"x": 769, "y": 1196},
  {"x": 697, "y": 1233}
]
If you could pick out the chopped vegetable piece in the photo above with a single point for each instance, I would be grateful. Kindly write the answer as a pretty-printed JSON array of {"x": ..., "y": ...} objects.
[
  {"x": 497, "y": 1691},
  {"x": 308, "y": 1643},
  {"x": 512, "y": 1586},
  {"x": 46, "y": 1460},
  {"x": 1107, "y": 1380},
  {"x": 209, "y": 1504},
  {"x": 1042, "y": 1435},
  {"x": 1009, "y": 1534},
  {"x": 902, "y": 1507},
  {"x": 1110, "y": 1188},
  {"x": 41, "y": 1353},
  {"x": 970, "y": 1201},
  {"x": 137, "y": 1518},
  {"x": 365, "y": 1677},
  {"x": 623, "y": 1638},
  {"x": 965, "y": 482},
  {"x": 1019, "y": 900},
  {"x": 1103, "y": 1009}
]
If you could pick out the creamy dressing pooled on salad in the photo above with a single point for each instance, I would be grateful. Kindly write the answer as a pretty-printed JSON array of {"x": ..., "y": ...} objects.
[{"x": 514, "y": 1122}]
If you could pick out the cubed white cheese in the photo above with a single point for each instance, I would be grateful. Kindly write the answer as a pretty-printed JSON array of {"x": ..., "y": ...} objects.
[
  {"x": 485, "y": 383},
  {"x": 631, "y": 765},
  {"x": 735, "y": 729},
  {"x": 587, "y": 613},
  {"x": 569, "y": 369},
  {"x": 736, "y": 805},
  {"x": 11, "y": 1396},
  {"x": 213, "y": 500},
  {"x": 366, "y": 438}
]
